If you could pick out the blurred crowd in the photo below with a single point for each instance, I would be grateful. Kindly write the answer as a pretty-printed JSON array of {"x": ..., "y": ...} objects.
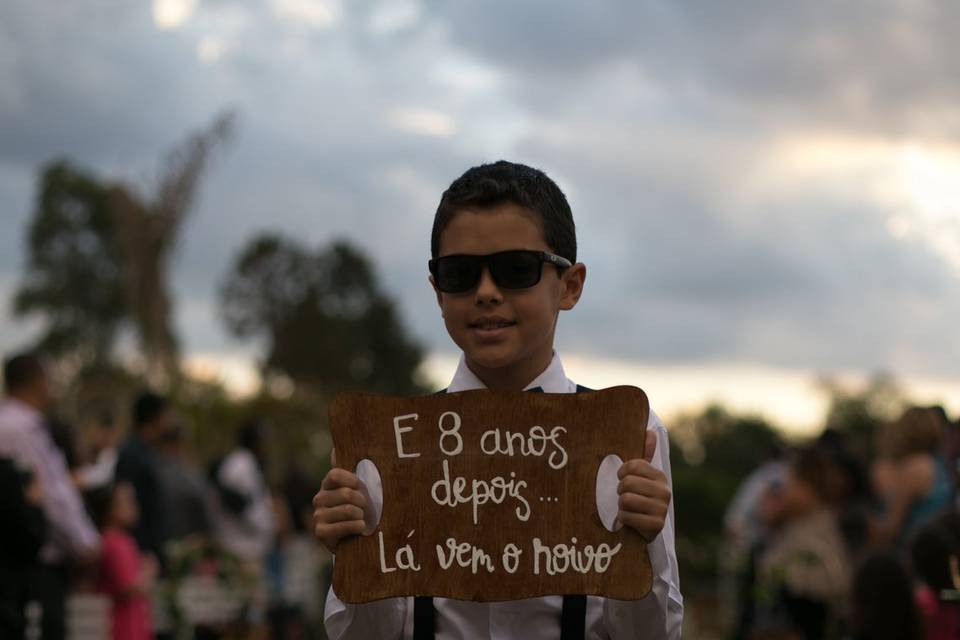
[
  {"x": 119, "y": 513},
  {"x": 835, "y": 540},
  {"x": 831, "y": 540}
]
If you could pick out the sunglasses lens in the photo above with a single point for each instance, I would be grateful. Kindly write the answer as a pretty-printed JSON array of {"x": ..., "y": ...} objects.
[
  {"x": 516, "y": 269},
  {"x": 456, "y": 274}
]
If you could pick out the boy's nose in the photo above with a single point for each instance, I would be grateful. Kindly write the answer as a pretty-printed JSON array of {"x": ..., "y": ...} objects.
[{"x": 487, "y": 290}]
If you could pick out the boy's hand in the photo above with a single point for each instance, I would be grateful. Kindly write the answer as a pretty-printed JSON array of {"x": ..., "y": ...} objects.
[
  {"x": 339, "y": 507},
  {"x": 644, "y": 494}
]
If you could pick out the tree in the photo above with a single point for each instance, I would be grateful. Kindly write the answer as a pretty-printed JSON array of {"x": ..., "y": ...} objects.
[
  {"x": 74, "y": 274},
  {"x": 147, "y": 231},
  {"x": 711, "y": 454},
  {"x": 327, "y": 324},
  {"x": 99, "y": 257},
  {"x": 860, "y": 412}
]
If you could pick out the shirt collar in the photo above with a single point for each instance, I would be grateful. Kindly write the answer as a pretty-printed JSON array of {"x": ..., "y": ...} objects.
[{"x": 553, "y": 379}]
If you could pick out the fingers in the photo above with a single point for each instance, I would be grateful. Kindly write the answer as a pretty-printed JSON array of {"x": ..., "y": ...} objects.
[
  {"x": 650, "y": 445},
  {"x": 331, "y": 534},
  {"x": 648, "y": 527},
  {"x": 644, "y": 495},
  {"x": 339, "y": 508},
  {"x": 327, "y": 498},
  {"x": 642, "y": 468},
  {"x": 631, "y": 503},
  {"x": 337, "y": 478},
  {"x": 651, "y": 487},
  {"x": 341, "y": 513}
]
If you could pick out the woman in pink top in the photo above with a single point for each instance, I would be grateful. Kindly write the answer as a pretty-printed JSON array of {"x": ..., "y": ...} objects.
[{"x": 125, "y": 574}]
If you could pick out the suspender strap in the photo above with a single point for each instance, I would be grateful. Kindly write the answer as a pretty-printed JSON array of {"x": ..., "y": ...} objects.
[
  {"x": 424, "y": 618},
  {"x": 573, "y": 619}
]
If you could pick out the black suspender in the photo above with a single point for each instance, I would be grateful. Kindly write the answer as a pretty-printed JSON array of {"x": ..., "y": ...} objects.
[
  {"x": 573, "y": 616},
  {"x": 424, "y": 618}
]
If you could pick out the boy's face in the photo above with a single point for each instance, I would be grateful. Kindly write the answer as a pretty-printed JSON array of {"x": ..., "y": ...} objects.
[
  {"x": 506, "y": 334},
  {"x": 126, "y": 511}
]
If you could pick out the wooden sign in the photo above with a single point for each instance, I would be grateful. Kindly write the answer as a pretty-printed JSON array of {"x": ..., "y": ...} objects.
[{"x": 490, "y": 496}]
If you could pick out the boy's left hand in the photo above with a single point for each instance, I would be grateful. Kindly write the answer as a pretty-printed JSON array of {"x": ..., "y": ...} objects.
[{"x": 644, "y": 494}]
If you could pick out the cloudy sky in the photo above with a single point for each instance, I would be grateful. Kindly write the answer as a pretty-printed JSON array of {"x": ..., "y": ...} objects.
[{"x": 764, "y": 191}]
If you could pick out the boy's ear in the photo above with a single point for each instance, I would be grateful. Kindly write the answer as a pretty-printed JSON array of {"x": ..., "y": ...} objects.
[
  {"x": 436, "y": 291},
  {"x": 572, "y": 280}
]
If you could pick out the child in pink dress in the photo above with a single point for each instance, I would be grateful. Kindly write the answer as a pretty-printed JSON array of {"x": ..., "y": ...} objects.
[{"x": 125, "y": 575}]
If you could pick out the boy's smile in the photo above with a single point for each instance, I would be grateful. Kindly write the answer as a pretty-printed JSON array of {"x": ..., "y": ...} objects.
[
  {"x": 506, "y": 334},
  {"x": 491, "y": 327}
]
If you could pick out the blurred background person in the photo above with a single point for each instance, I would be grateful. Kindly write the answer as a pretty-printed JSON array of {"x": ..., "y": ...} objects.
[
  {"x": 100, "y": 441},
  {"x": 883, "y": 606},
  {"x": 20, "y": 539},
  {"x": 245, "y": 516},
  {"x": 25, "y": 438},
  {"x": 186, "y": 491},
  {"x": 951, "y": 452},
  {"x": 63, "y": 436},
  {"x": 137, "y": 463},
  {"x": 294, "y": 566},
  {"x": 244, "y": 520},
  {"x": 125, "y": 575},
  {"x": 911, "y": 475},
  {"x": 855, "y": 503},
  {"x": 284, "y": 606},
  {"x": 746, "y": 532},
  {"x": 743, "y": 520},
  {"x": 935, "y": 557},
  {"x": 803, "y": 573}
]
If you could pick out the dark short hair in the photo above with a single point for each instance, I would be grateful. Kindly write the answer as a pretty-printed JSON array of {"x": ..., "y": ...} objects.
[
  {"x": 919, "y": 430},
  {"x": 814, "y": 466},
  {"x": 21, "y": 371},
  {"x": 883, "y": 601},
  {"x": 489, "y": 185},
  {"x": 251, "y": 434},
  {"x": 148, "y": 407},
  {"x": 930, "y": 551}
]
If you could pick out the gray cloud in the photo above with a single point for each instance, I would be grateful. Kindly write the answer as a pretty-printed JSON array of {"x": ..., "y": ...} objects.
[
  {"x": 682, "y": 268},
  {"x": 653, "y": 116},
  {"x": 890, "y": 64}
]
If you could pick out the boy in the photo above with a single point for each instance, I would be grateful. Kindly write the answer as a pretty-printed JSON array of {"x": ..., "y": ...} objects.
[{"x": 504, "y": 264}]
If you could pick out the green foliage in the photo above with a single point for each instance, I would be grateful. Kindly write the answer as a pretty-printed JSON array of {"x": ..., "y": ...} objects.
[
  {"x": 860, "y": 412},
  {"x": 212, "y": 416},
  {"x": 711, "y": 454},
  {"x": 327, "y": 324},
  {"x": 74, "y": 273},
  {"x": 299, "y": 438},
  {"x": 98, "y": 256}
]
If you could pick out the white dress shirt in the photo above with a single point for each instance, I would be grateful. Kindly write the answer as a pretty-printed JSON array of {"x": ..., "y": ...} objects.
[
  {"x": 249, "y": 534},
  {"x": 657, "y": 616},
  {"x": 25, "y": 439},
  {"x": 101, "y": 471}
]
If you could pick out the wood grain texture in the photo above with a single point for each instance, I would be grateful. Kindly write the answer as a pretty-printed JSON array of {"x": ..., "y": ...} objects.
[{"x": 561, "y": 503}]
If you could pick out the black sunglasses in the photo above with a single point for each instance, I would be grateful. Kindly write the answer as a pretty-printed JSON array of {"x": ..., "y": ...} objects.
[{"x": 517, "y": 269}]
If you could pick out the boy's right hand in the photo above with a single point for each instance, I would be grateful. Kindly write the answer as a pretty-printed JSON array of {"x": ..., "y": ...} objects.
[{"x": 340, "y": 507}]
